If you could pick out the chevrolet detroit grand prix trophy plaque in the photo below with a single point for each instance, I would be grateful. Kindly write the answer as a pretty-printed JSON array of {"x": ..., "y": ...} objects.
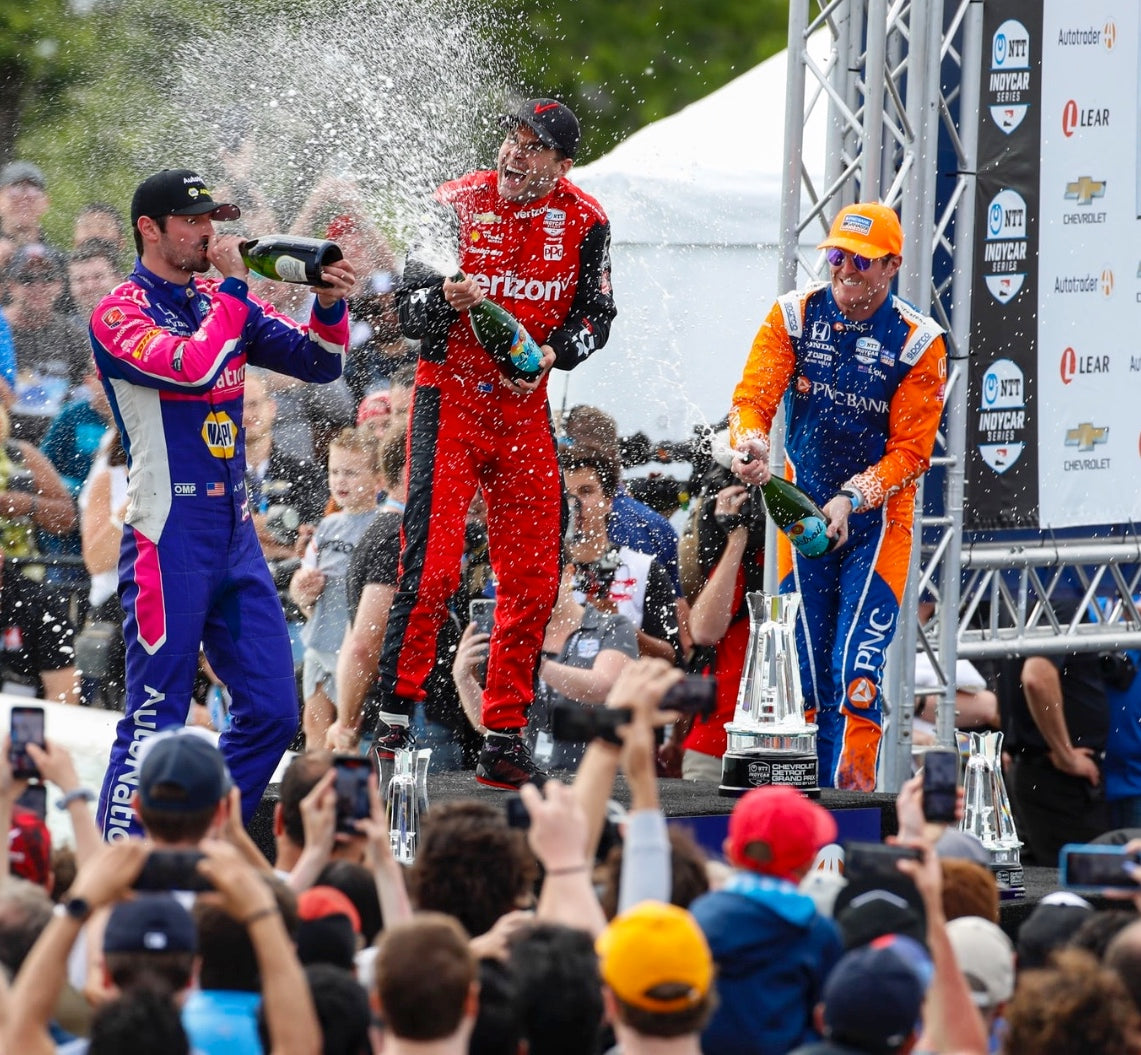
[
  {"x": 987, "y": 814},
  {"x": 768, "y": 741}
]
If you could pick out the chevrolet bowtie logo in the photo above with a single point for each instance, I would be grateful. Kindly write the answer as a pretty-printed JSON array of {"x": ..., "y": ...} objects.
[
  {"x": 1084, "y": 190},
  {"x": 1087, "y": 436}
]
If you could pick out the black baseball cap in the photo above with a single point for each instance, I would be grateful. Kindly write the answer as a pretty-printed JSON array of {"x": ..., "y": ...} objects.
[
  {"x": 177, "y": 192},
  {"x": 554, "y": 123}
]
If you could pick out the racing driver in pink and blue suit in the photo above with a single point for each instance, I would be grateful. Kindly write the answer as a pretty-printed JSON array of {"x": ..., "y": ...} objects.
[{"x": 171, "y": 350}]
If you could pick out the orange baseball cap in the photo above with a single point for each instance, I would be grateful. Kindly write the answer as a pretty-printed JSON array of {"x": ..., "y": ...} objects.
[{"x": 868, "y": 228}]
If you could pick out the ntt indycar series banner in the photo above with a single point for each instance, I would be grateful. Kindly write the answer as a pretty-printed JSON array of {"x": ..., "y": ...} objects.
[{"x": 1055, "y": 385}]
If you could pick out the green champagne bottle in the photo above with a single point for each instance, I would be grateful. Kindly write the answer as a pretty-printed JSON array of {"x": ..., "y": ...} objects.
[
  {"x": 290, "y": 258},
  {"x": 505, "y": 339},
  {"x": 800, "y": 518}
]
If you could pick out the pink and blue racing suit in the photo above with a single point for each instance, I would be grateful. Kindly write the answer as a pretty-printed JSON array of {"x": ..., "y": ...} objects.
[{"x": 172, "y": 360}]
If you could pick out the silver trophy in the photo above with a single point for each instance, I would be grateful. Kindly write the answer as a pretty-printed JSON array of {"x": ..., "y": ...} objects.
[
  {"x": 768, "y": 741},
  {"x": 987, "y": 814},
  {"x": 406, "y": 800}
]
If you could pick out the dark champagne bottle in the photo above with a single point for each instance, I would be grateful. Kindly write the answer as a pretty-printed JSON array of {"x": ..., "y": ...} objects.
[
  {"x": 800, "y": 518},
  {"x": 290, "y": 258},
  {"x": 505, "y": 339}
]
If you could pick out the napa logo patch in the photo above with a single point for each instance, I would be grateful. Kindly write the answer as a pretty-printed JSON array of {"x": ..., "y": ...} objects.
[{"x": 220, "y": 434}]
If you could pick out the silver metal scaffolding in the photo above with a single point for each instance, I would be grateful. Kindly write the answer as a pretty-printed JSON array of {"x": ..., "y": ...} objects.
[{"x": 896, "y": 73}]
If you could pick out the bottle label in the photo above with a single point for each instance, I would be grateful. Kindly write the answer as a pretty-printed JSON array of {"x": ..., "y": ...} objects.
[
  {"x": 808, "y": 536},
  {"x": 525, "y": 353},
  {"x": 290, "y": 269}
]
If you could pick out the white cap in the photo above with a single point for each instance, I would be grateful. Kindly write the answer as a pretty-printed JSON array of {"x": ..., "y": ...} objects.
[{"x": 985, "y": 956}]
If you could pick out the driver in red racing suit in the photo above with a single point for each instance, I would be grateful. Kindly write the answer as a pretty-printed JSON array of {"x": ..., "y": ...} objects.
[
  {"x": 536, "y": 244},
  {"x": 171, "y": 350}
]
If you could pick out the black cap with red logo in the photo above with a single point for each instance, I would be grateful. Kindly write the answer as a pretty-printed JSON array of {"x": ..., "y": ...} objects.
[{"x": 554, "y": 123}]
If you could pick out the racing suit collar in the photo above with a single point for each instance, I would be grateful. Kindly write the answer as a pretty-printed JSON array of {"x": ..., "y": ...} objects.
[{"x": 145, "y": 277}]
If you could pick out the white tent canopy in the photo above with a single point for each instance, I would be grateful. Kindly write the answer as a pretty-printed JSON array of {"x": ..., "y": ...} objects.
[{"x": 694, "y": 206}]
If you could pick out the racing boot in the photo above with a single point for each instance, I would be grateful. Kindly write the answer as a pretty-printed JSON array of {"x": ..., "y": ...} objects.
[
  {"x": 505, "y": 762},
  {"x": 393, "y": 733}
]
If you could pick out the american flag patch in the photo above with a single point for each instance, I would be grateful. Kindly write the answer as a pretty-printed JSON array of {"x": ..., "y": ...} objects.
[{"x": 215, "y": 490}]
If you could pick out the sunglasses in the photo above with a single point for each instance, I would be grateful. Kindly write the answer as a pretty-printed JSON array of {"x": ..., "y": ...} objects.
[{"x": 835, "y": 257}]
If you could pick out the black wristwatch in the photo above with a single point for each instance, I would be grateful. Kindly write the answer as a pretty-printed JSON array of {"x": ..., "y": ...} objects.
[{"x": 78, "y": 908}]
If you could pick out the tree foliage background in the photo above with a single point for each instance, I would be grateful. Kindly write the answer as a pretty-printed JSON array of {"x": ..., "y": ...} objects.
[{"x": 101, "y": 94}]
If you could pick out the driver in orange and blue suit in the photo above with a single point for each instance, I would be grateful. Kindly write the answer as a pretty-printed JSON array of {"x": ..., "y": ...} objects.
[{"x": 862, "y": 375}]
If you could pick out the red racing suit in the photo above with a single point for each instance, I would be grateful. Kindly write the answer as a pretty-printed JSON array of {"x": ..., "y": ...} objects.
[
  {"x": 548, "y": 263},
  {"x": 172, "y": 360},
  {"x": 862, "y": 407}
]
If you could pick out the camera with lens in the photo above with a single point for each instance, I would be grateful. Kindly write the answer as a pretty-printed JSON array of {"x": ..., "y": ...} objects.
[
  {"x": 594, "y": 578},
  {"x": 283, "y": 523}
]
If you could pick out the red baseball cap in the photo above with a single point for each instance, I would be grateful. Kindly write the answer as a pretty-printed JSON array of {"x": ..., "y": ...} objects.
[
  {"x": 374, "y": 405},
  {"x": 29, "y": 847},
  {"x": 791, "y": 827}
]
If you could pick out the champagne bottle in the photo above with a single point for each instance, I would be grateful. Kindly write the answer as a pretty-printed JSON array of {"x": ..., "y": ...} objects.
[
  {"x": 290, "y": 258},
  {"x": 505, "y": 339},
  {"x": 800, "y": 518}
]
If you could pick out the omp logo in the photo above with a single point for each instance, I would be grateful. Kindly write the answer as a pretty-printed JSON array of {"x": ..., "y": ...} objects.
[
  {"x": 220, "y": 434},
  {"x": 862, "y": 692},
  {"x": 1083, "y": 190},
  {"x": 1087, "y": 436},
  {"x": 185, "y": 489}
]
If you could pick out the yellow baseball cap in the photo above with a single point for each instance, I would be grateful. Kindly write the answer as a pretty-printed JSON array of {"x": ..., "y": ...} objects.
[{"x": 652, "y": 945}]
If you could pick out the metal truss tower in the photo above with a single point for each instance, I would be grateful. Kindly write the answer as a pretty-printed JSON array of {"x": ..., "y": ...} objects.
[{"x": 900, "y": 83}]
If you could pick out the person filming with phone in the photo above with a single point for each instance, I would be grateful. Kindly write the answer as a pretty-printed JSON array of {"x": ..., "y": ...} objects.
[{"x": 584, "y": 651}]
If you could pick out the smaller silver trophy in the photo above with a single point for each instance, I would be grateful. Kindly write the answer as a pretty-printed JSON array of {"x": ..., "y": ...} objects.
[
  {"x": 768, "y": 741},
  {"x": 987, "y": 814},
  {"x": 406, "y": 801}
]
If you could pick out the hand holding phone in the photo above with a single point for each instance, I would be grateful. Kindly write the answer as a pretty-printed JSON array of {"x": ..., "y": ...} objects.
[
  {"x": 481, "y": 612},
  {"x": 1094, "y": 868},
  {"x": 172, "y": 870},
  {"x": 876, "y": 860},
  {"x": 27, "y": 727},
  {"x": 940, "y": 784},
  {"x": 351, "y": 787}
]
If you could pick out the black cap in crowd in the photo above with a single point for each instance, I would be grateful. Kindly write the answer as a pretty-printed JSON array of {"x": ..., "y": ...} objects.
[
  {"x": 177, "y": 192},
  {"x": 554, "y": 123}
]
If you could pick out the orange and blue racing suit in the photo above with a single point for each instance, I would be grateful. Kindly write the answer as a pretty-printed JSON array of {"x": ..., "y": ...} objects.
[
  {"x": 172, "y": 359},
  {"x": 862, "y": 406}
]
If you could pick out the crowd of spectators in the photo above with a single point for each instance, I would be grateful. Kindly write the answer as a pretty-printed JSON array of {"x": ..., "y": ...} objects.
[{"x": 576, "y": 932}]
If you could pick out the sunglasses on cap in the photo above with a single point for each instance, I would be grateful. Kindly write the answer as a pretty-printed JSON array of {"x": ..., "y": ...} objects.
[{"x": 835, "y": 257}]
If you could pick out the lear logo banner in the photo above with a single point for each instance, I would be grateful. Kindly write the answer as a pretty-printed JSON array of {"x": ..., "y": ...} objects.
[
  {"x": 1002, "y": 415},
  {"x": 1008, "y": 86}
]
